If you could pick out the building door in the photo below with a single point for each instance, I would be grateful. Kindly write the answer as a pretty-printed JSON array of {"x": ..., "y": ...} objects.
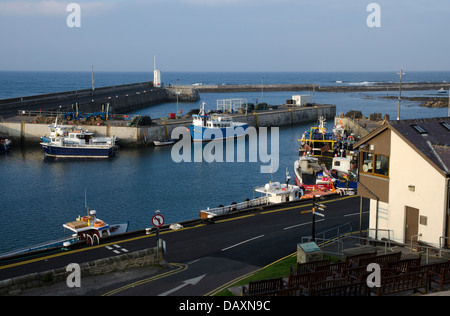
[{"x": 412, "y": 224}]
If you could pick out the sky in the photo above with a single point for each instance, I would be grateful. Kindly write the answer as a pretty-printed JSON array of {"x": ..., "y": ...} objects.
[{"x": 225, "y": 35}]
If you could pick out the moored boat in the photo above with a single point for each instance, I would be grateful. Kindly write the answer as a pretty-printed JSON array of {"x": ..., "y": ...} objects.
[
  {"x": 310, "y": 174},
  {"x": 69, "y": 142},
  {"x": 5, "y": 145},
  {"x": 317, "y": 141},
  {"x": 343, "y": 172},
  {"x": 215, "y": 127},
  {"x": 164, "y": 142}
]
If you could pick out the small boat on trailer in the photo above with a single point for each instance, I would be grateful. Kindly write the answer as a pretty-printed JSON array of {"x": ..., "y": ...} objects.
[{"x": 91, "y": 229}]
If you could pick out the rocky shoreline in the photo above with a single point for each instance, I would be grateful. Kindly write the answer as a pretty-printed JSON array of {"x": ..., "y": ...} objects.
[{"x": 429, "y": 102}]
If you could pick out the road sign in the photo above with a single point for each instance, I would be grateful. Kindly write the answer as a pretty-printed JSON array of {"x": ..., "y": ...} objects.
[{"x": 158, "y": 220}]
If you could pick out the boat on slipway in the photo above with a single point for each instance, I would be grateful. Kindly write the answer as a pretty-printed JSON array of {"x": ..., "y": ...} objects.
[
  {"x": 271, "y": 193},
  {"x": 71, "y": 142},
  {"x": 216, "y": 126}
]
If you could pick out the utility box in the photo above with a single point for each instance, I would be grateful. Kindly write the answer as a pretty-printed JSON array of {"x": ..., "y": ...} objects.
[
  {"x": 301, "y": 100},
  {"x": 307, "y": 252}
]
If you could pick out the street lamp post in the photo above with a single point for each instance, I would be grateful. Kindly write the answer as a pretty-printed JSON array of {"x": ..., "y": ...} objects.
[{"x": 401, "y": 73}]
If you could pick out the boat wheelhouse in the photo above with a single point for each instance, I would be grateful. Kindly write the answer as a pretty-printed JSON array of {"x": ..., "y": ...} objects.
[{"x": 317, "y": 141}]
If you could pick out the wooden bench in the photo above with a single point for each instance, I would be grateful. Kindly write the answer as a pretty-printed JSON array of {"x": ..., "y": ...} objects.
[
  {"x": 352, "y": 275},
  {"x": 333, "y": 269},
  {"x": 353, "y": 260},
  {"x": 283, "y": 292},
  {"x": 308, "y": 267},
  {"x": 442, "y": 277},
  {"x": 403, "y": 266},
  {"x": 339, "y": 289},
  {"x": 402, "y": 283},
  {"x": 261, "y": 287},
  {"x": 382, "y": 260},
  {"x": 301, "y": 281}
]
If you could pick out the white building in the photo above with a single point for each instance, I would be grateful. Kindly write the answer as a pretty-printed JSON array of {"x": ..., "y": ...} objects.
[{"x": 404, "y": 169}]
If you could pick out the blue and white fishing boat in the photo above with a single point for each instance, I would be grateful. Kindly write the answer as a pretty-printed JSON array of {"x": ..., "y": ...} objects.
[
  {"x": 343, "y": 173},
  {"x": 69, "y": 142},
  {"x": 215, "y": 127}
]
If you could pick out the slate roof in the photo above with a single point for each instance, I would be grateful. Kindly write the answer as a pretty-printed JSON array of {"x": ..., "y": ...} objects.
[{"x": 430, "y": 137}]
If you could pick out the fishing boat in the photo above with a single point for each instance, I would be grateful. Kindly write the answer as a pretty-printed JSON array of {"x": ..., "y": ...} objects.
[
  {"x": 310, "y": 174},
  {"x": 343, "y": 172},
  {"x": 442, "y": 90},
  {"x": 5, "y": 145},
  {"x": 70, "y": 142},
  {"x": 91, "y": 229},
  {"x": 215, "y": 127},
  {"x": 317, "y": 141}
]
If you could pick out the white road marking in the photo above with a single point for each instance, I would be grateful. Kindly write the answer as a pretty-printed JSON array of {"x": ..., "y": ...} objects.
[
  {"x": 302, "y": 224},
  {"x": 354, "y": 214},
  {"x": 243, "y": 242}
]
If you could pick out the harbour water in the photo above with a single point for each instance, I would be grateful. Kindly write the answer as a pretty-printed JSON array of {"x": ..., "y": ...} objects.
[{"x": 38, "y": 195}]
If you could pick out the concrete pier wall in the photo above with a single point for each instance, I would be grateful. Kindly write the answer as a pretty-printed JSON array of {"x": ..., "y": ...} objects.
[
  {"x": 29, "y": 133},
  {"x": 121, "y": 98}
]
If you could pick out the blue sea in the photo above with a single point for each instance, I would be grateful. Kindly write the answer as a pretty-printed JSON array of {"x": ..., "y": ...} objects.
[{"x": 39, "y": 195}]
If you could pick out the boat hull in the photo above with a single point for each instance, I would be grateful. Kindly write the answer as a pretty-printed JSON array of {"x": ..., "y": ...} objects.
[
  {"x": 78, "y": 152},
  {"x": 205, "y": 134}
]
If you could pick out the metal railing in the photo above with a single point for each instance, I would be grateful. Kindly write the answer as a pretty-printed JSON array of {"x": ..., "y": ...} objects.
[{"x": 426, "y": 250}]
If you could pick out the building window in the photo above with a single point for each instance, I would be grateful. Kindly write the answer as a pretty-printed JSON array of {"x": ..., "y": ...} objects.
[
  {"x": 381, "y": 165},
  {"x": 367, "y": 162},
  {"x": 375, "y": 164}
]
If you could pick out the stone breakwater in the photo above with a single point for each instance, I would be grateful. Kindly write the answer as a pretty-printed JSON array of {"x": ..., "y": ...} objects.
[{"x": 315, "y": 87}]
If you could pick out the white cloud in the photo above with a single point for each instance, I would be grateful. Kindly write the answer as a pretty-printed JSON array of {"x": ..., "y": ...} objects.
[{"x": 48, "y": 7}]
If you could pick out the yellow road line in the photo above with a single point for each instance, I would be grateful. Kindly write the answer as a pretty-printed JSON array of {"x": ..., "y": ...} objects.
[{"x": 181, "y": 267}]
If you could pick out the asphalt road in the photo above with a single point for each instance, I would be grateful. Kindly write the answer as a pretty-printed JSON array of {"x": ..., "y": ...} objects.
[{"x": 207, "y": 257}]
